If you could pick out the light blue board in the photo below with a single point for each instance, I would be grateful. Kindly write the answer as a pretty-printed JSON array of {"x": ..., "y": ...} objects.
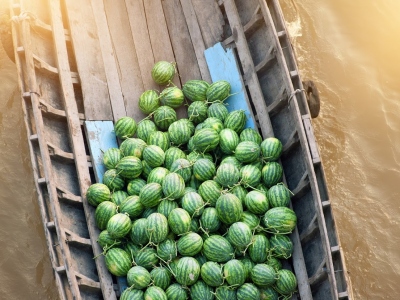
[
  {"x": 222, "y": 65},
  {"x": 100, "y": 137}
]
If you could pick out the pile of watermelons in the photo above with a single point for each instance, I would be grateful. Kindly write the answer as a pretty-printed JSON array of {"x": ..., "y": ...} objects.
[{"x": 194, "y": 208}]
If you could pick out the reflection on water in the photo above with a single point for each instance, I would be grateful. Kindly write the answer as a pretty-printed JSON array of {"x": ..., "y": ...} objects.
[{"x": 351, "y": 50}]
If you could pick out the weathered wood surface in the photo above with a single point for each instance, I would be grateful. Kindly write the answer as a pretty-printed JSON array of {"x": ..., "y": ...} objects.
[
  {"x": 89, "y": 60},
  {"x": 125, "y": 55}
]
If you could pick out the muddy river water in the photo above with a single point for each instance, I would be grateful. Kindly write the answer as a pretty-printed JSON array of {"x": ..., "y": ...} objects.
[{"x": 351, "y": 50}]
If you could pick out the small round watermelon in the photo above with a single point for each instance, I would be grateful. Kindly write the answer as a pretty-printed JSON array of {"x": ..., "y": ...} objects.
[
  {"x": 149, "y": 102},
  {"x": 195, "y": 90},
  {"x": 125, "y": 127},
  {"x": 163, "y": 72}
]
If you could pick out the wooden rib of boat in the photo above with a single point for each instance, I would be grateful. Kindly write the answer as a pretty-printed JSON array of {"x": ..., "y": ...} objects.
[{"x": 91, "y": 60}]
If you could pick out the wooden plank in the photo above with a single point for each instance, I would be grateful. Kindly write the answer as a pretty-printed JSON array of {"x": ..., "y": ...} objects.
[
  {"x": 188, "y": 67},
  {"x": 89, "y": 60},
  {"x": 159, "y": 36},
  {"x": 141, "y": 39},
  {"x": 223, "y": 66},
  {"x": 125, "y": 54},
  {"x": 110, "y": 66},
  {"x": 100, "y": 136},
  {"x": 77, "y": 141},
  {"x": 248, "y": 68},
  {"x": 210, "y": 20}
]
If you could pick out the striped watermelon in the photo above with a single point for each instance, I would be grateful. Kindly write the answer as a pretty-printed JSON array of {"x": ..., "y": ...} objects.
[
  {"x": 259, "y": 248},
  {"x": 234, "y": 273},
  {"x": 250, "y": 134},
  {"x": 164, "y": 116},
  {"x": 204, "y": 169},
  {"x": 240, "y": 192},
  {"x": 228, "y": 140},
  {"x": 133, "y": 147},
  {"x": 148, "y": 211},
  {"x": 159, "y": 139},
  {"x": 240, "y": 234},
  {"x": 272, "y": 173},
  {"x": 280, "y": 220},
  {"x": 163, "y": 72},
  {"x": 157, "y": 175},
  {"x": 138, "y": 277},
  {"x": 247, "y": 152},
  {"x": 179, "y": 132},
  {"x": 197, "y": 112},
  {"x": 111, "y": 157},
  {"x": 227, "y": 175},
  {"x": 231, "y": 160},
  {"x": 187, "y": 271},
  {"x": 201, "y": 291},
  {"x": 166, "y": 206},
  {"x": 256, "y": 202},
  {"x": 268, "y": 293},
  {"x": 150, "y": 195},
  {"x": 97, "y": 193},
  {"x": 138, "y": 232},
  {"x": 279, "y": 195},
  {"x": 167, "y": 250},
  {"x": 145, "y": 128},
  {"x": 205, "y": 140},
  {"x": 213, "y": 123},
  {"x": 173, "y": 186},
  {"x": 271, "y": 149},
  {"x": 218, "y": 90},
  {"x": 195, "y": 90},
  {"x": 193, "y": 204},
  {"x": 133, "y": 294},
  {"x": 209, "y": 220},
  {"x": 104, "y": 211},
  {"x": 149, "y": 102},
  {"x": 250, "y": 176},
  {"x": 189, "y": 244},
  {"x": 263, "y": 275},
  {"x": 146, "y": 169},
  {"x": 161, "y": 277},
  {"x": 125, "y": 127},
  {"x": 131, "y": 249},
  {"x": 217, "y": 248},
  {"x": 281, "y": 246},
  {"x": 225, "y": 292},
  {"x": 171, "y": 155},
  {"x": 250, "y": 219},
  {"x": 182, "y": 167},
  {"x": 275, "y": 263},
  {"x": 154, "y": 156},
  {"x": 229, "y": 208},
  {"x": 248, "y": 266},
  {"x": 113, "y": 180},
  {"x": 176, "y": 292},
  {"x": 211, "y": 273},
  {"x": 106, "y": 241},
  {"x": 118, "y": 197},
  {"x": 132, "y": 206},
  {"x": 157, "y": 227},
  {"x": 147, "y": 258},
  {"x": 217, "y": 110},
  {"x": 195, "y": 225},
  {"x": 235, "y": 120},
  {"x": 248, "y": 291},
  {"x": 119, "y": 225},
  {"x": 118, "y": 262},
  {"x": 155, "y": 293},
  {"x": 172, "y": 97},
  {"x": 179, "y": 221},
  {"x": 286, "y": 283},
  {"x": 130, "y": 167}
]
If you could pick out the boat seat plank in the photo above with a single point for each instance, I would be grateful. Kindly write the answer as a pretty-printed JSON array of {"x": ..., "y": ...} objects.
[
  {"x": 197, "y": 39},
  {"x": 110, "y": 66},
  {"x": 222, "y": 65},
  {"x": 87, "y": 50},
  {"x": 159, "y": 35},
  {"x": 125, "y": 55},
  {"x": 210, "y": 20},
  {"x": 311, "y": 139}
]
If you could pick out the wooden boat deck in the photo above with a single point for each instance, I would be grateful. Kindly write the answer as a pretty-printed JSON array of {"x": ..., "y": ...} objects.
[{"x": 91, "y": 60}]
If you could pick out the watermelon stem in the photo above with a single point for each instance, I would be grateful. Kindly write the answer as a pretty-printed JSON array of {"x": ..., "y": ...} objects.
[{"x": 167, "y": 265}]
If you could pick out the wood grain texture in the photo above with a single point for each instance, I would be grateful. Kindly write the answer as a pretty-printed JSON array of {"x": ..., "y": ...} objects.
[{"x": 89, "y": 60}]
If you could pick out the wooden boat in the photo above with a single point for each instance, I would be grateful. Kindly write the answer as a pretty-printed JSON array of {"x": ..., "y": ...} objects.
[{"x": 90, "y": 60}]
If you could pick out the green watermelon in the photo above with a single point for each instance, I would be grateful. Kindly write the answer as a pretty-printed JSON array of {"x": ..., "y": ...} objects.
[
  {"x": 129, "y": 167},
  {"x": 248, "y": 266},
  {"x": 189, "y": 244},
  {"x": 147, "y": 258},
  {"x": 225, "y": 292},
  {"x": 275, "y": 263},
  {"x": 227, "y": 175},
  {"x": 171, "y": 155},
  {"x": 281, "y": 246},
  {"x": 104, "y": 211},
  {"x": 256, "y": 202},
  {"x": 131, "y": 249},
  {"x": 182, "y": 167},
  {"x": 250, "y": 134},
  {"x": 210, "y": 191},
  {"x": 145, "y": 128},
  {"x": 160, "y": 139},
  {"x": 268, "y": 293},
  {"x": 240, "y": 234},
  {"x": 286, "y": 283},
  {"x": 217, "y": 110},
  {"x": 111, "y": 157},
  {"x": 247, "y": 152},
  {"x": 118, "y": 197},
  {"x": 118, "y": 262},
  {"x": 231, "y": 160},
  {"x": 157, "y": 175},
  {"x": 272, "y": 173},
  {"x": 197, "y": 112},
  {"x": 155, "y": 293},
  {"x": 133, "y": 294},
  {"x": 97, "y": 193},
  {"x": 205, "y": 140},
  {"x": 133, "y": 147},
  {"x": 250, "y": 176},
  {"x": 217, "y": 248},
  {"x": 279, "y": 195},
  {"x": 271, "y": 149},
  {"x": 164, "y": 116},
  {"x": 228, "y": 140},
  {"x": 125, "y": 127},
  {"x": 138, "y": 234},
  {"x": 166, "y": 206},
  {"x": 280, "y": 220},
  {"x": 193, "y": 204},
  {"x": 138, "y": 277},
  {"x": 179, "y": 132},
  {"x": 173, "y": 186},
  {"x": 132, "y": 206},
  {"x": 259, "y": 248},
  {"x": 195, "y": 90},
  {"x": 250, "y": 219},
  {"x": 229, "y": 208},
  {"x": 209, "y": 220},
  {"x": 248, "y": 291},
  {"x": 235, "y": 120},
  {"x": 179, "y": 221},
  {"x": 172, "y": 97},
  {"x": 119, "y": 225},
  {"x": 263, "y": 275},
  {"x": 106, "y": 241},
  {"x": 211, "y": 273},
  {"x": 204, "y": 169},
  {"x": 157, "y": 227},
  {"x": 213, "y": 123},
  {"x": 150, "y": 195},
  {"x": 149, "y": 102},
  {"x": 234, "y": 272},
  {"x": 176, "y": 292},
  {"x": 161, "y": 277},
  {"x": 163, "y": 72},
  {"x": 201, "y": 291},
  {"x": 218, "y": 90},
  {"x": 167, "y": 250},
  {"x": 187, "y": 271},
  {"x": 154, "y": 156}
]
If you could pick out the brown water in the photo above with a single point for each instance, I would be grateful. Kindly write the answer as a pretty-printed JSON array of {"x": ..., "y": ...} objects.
[{"x": 351, "y": 49}]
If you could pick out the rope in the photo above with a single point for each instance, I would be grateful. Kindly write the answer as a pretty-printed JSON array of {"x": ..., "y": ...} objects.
[
  {"x": 294, "y": 93},
  {"x": 25, "y": 15}
]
